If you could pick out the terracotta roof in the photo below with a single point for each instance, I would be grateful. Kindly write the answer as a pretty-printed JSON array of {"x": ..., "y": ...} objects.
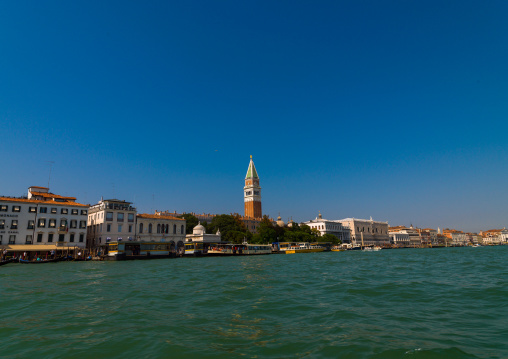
[
  {"x": 158, "y": 216},
  {"x": 51, "y": 195},
  {"x": 38, "y": 187},
  {"x": 24, "y": 200}
]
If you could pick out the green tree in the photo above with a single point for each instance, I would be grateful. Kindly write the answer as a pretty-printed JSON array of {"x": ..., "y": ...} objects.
[
  {"x": 266, "y": 231},
  {"x": 330, "y": 238},
  {"x": 231, "y": 227}
]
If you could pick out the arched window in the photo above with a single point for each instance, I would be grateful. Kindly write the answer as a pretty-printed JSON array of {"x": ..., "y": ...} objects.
[
  {"x": 158, "y": 228},
  {"x": 167, "y": 228},
  {"x": 150, "y": 228},
  {"x": 174, "y": 228},
  {"x": 141, "y": 228},
  {"x": 182, "y": 230}
]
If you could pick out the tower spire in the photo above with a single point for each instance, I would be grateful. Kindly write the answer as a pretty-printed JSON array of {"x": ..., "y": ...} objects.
[{"x": 252, "y": 192}]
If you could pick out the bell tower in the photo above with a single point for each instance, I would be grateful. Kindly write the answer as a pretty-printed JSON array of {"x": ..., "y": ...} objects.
[{"x": 252, "y": 193}]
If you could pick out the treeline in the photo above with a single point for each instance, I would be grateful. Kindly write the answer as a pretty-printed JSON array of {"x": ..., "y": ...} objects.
[{"x": 234, "y": 230}]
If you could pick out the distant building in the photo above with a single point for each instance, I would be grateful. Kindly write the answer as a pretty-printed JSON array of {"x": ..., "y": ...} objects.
[
  {"x": 413, "y": 238},
  {"x": 325, "y": 226},
  {"x": 455, "y": 237},
  {"x": 252, "y": 193},
  {"x": 42, "y": 220},
  {"x": 373, "y": 232},
  {"x": 494, "y": 236},
  {"x": 160, "y": 228},
  {"x": 199, "y": 235}
]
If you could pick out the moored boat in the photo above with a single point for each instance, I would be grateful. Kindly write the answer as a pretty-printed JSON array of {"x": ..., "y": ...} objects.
[{"x": 303, "y": 248}]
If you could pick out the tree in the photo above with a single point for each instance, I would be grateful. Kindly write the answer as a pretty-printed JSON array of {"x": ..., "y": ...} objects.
[
  {"x": 330, "y": 238},
  {"x": 266, "y": 231},
  {"x": 231, "y": 227},
  {"x": 192, "y": 221}
]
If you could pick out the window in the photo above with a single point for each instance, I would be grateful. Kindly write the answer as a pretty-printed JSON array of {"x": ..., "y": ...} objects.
[
  {"x": 150, "y": 228},
  {"x": 109, "y": 216},
  {"x": 12, "y": 239},
  {"x": 81, "y": 237},
  {"x": 39, "y": 237},
  {"x": 181, "y": 229},
  {"x": 130, "y": 228},
  {"x": 141, "y": 228},
  {"x": 42, "y": 223},
  {"x": 71, "y": 239},
  {"x": 256, "y": 193},
  {"x": 63, "y": 224},
  {"x": 31, "y": 224},
  {"x": 2, "y": 223},
  {"x": 4, "y": 208},
  {"x": 43, "y": 210},
  {"x": 52, "y": 223},
  {"x": 50, "y": 237},
  {"x": 108, "y": 228},
  {"x": 82, "y": 224},
  {"x": 28, "y": 239},
  {"x": 174, "y": 228},
  {"x": 61, "y": 237},
  {"x": 53, "y": 210},
  {"x": 64, "y": 211},
  {"x": 74, "y": 211},
  {"x": 83, "y": 212},
  {"x": 119, "y": 217},
  {"x": 74, "y": 223},
  {"x": 119, "y": 228},
  {"x": 130, "y": 217},
  {"x": 158, "y": 228},
  {"x": 14, "y": 224},
  {"x": 32, "y": 209},
  {"x": 100, "y": 227},
  {"x": 16, "y": 208},
  {"x": 0, "y": 239}
]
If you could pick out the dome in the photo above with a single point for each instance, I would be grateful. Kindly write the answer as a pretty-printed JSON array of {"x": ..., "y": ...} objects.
[{"x": 199, "y": 229}]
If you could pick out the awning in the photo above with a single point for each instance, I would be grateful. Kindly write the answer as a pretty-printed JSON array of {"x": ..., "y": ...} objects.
[{"x": 36, "y": 248}]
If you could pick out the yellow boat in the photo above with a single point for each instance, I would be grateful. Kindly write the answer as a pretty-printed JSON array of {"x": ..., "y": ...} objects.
[{"x": 302, "y": 248}]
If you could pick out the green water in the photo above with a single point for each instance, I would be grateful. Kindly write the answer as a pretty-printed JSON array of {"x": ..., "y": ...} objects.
[{"x": 412, "y": 303}]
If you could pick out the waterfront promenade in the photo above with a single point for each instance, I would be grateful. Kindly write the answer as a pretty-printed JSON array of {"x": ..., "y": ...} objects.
[{"x": 419, "y": 303}]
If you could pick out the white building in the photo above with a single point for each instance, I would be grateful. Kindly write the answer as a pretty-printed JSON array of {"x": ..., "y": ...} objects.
[
  {"x": 325, "y": 226},
  {"x": 199, "y": 235},
  {"x": 400, "y": 239},
  {"x": 160, "y": 228},
  {"x": 413, "y": 234},
  {"x": 373, "y": 232},
  {"x": 116, "y": 220},
  {"x": 111, "y": 220},
  {"x": 42, "y": 219}
]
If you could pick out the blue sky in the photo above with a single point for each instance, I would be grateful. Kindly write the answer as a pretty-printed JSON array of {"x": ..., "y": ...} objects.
[{"x": 393, "y": 109}]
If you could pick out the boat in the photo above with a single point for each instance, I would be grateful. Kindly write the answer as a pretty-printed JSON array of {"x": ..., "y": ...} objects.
[
  {"x": 42, "y": 261},
  {"x": 372, "y": 249},
  {"x": 303, "y": 248},
  {"x": 139, "y": 250},
  {"x": 244, "y": 249},
  {"x": 337, "y": 249}
]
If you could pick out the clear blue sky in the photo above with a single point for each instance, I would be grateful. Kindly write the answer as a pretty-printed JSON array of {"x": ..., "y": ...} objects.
[{"x": 390, "y": 109}]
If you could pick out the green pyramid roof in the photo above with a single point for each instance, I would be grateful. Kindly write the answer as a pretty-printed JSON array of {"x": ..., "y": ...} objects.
[{"x": 251, "y": 171}]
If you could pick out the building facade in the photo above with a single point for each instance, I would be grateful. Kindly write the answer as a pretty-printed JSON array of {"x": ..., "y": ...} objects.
[
  {"x": 111, "y": 220},
  {"x": 160, "y": 228},
  {"x": 373, "y": 232},
  {"x": 252, "y": 193},
  {"x": 325, "y": 226},
  {"x": 42, "y": 218}
]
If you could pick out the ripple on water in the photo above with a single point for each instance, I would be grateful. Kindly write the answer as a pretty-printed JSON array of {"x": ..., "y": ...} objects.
[{"x": 390, "y": 304}]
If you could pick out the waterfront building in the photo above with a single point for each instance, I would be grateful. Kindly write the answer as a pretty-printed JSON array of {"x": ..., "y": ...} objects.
[
  {"x": 495, "y": 236},
  {"x": 473, "y": 238},
  {"x": 455, "y": 237},
  {"x": 199, "y": 235},
  {"x": 325, "y": 226},
  {"x": 42, "y": 221},
  {"x": 203, "y": 217},
  {"x": 430, "y": 236},
  {"x": 399, "y": 239},
  {"x": 160, "y": 228},
  {"x": 373, "y": 232},
  {"x": 114, "y": 220},
  {"x": 413, "y": 235},
  {"x": 252, "y": 193},
  {"x": 111, "y": 220}
]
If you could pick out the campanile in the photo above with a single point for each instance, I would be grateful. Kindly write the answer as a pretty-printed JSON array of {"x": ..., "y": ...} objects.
[{"x": 252, "y": 193}]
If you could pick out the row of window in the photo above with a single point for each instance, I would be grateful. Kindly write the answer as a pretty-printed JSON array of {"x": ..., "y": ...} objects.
[
  {"x": 161, "y": 228},
  {"x": 41, "y": 223},
  {"x": 50, "y": 237},
  {"x": 120, "y": 217},
  {"x": 368, "y": 230},
  {"x": 5, "y": 208}
]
